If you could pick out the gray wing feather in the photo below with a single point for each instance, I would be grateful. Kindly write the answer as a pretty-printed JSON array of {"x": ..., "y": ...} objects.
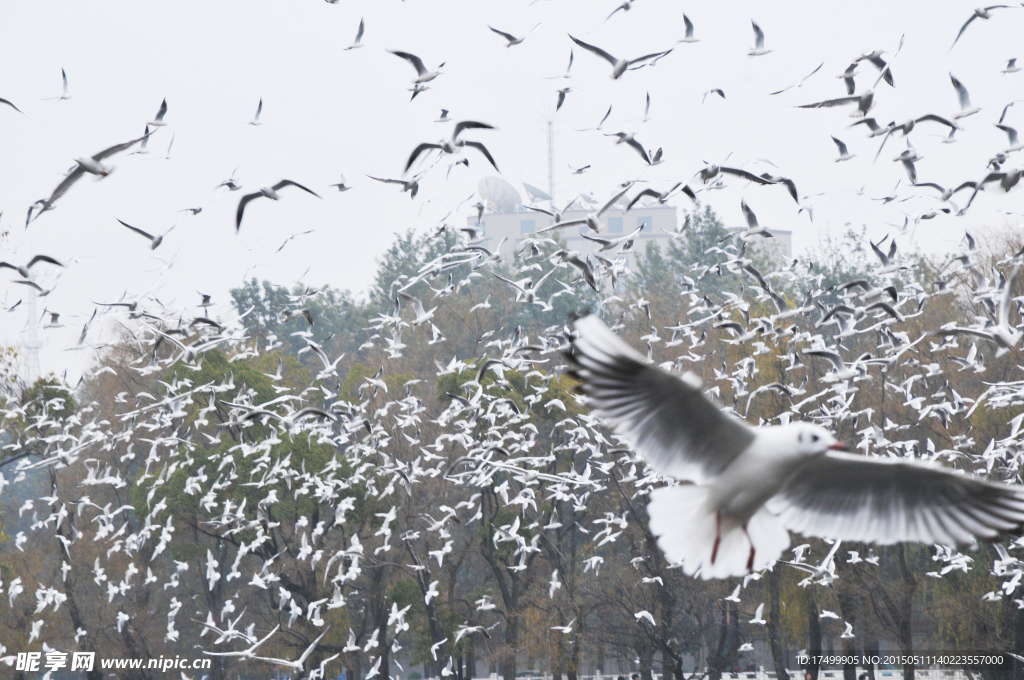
[
  {"x": 885, "y": 501},
  {"x": 596, "y": 50},
  {"x": 107, "y": 153},
  {"x": 677, "y": 429}
]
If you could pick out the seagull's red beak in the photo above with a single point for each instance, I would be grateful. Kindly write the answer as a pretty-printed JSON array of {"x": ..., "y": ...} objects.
[{"x": 839, "y": 446}]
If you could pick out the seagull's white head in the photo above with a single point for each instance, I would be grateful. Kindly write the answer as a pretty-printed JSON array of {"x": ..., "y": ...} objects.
[{"x": 814, "y": 440}]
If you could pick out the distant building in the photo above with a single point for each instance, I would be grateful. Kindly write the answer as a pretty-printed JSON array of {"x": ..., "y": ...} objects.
[
  {"x": 658, "y": 221},
  {"x": 513, "y": 222}
]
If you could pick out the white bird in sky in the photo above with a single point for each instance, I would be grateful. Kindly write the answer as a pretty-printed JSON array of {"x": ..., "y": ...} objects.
[
  {"x": 357, "y": 43},
  {"x": 619, "y": 66},
  {"x": 268, "y": 192},
  {"x": 966, "y": 108},
  {"x": 64, "y": 95},
  {"x": 751, "y": 486},
  {"x": 979, "y": 13},
  {"x": 158, "y": 121},
  {"x": 591, "y": 220},
  {"x": 155, "y": 241},
  {"x": 423, "y": 74},
  {"x": 758, "y": 618},
  {"x": 628, "y": 139},
  {"x": 844, "y": 153},
  {"x": 93, "y": 165},
  {"x": 758, "y": 49},
  {"x": 512, "y": 40},
  {"x": 688, "y": 38},
  {"x": 259, "y": 110}
]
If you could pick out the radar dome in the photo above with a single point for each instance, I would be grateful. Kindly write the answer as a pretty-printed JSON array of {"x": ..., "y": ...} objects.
[
  {"x": 499, "y": 195},
  {"x": 535, "y": 193}
]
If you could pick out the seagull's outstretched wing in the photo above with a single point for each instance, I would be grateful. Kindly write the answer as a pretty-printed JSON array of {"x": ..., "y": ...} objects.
[
  {"x": 8, "y": 103},
  {"x": 675, "y": 427},
  {"x": 244, "y": 201},
  {"x": 469, "y": 125},
  {"x": 483, "y": 149},
  {"x": 416, "y": 154},
  {"x": 118, "y": 148},
  {"x": 962, "y": 29},
  {"x": 596, "y": 50},
  {"x": 416, "y": 62},
  {"x": 886, "y": 501},
  {"x": 507, "y": 36},
  {"x": 137, "y": 230},
  {"x": 288, "y": 183},
  {"x": 829, "y": 103}
]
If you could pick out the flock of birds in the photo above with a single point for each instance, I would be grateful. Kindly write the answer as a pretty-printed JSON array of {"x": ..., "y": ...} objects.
[{"x": 752, "y": 484}]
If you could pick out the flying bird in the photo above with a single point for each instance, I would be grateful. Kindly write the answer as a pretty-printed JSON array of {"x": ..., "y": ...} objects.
[
  {"x": 155, "y": 241},
  {"x": 966, "y": 108},
  {"x": 800, "y": 83},
  {"x": 513, "y": 40},
  {"x": 410, "y": 185},
  {"x": 979, "y": 13},
  {"x": 628, "y": 139},
  {"x": 11, "y": 104},
  {"x": 93, "y": 165},
  {"x": 688, "y": 38},
  {"x": 64, "y": 95},
  {"x": 268, "y": 192},
  {"x": 259, "y": 110},
  {"x": 753, "y": 485},
  {"x": 875, "y": 59},
  {"x": 359, "y": 37},
  {"x": 715, "y": 90},
  {"x": 423, "y": 75},
  {"x": 619, "y": 66},
  {"x": 24, "y": 271},
  {"x": 451, "y": 146},
  {"x": 158, "y": 121},
  {"x": 844, "y": 153},
  {"x": 758, "y": 49}
]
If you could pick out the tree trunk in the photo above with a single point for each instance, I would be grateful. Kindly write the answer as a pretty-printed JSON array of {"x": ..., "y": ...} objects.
[
  {"x": 904, "y": 630},
  {"x": 848, "y": 606},
  {"x": 724, "y": 656},
  {"x": 508, "y": 660},
  {"x": 774, "y": 633},
  {"x": 813, "y": 638},
  {"x": 575, "y": 658},
  {"x": 870, "y": 649}
]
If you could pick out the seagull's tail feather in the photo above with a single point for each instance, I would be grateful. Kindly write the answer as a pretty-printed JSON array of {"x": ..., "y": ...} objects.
[{"x": 687, "y": 528}]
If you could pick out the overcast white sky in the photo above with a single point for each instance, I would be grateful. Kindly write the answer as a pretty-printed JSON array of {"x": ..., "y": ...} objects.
[{"x": 328, "y": 111}]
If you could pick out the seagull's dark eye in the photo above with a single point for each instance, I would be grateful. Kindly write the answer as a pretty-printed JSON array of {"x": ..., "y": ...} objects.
[{"x": 814, "y": 437}]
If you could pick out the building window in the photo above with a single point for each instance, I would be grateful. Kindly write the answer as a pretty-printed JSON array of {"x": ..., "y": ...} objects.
[
  {"x": 645, "y": 221},
  {"x": 527, "y": 226},
  {"x": 615, "y": 225}
]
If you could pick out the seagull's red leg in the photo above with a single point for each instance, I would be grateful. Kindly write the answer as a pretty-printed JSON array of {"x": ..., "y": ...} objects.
[
  {"x": 718, "y": 536},
  {"x": 750, "y": 560}
]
